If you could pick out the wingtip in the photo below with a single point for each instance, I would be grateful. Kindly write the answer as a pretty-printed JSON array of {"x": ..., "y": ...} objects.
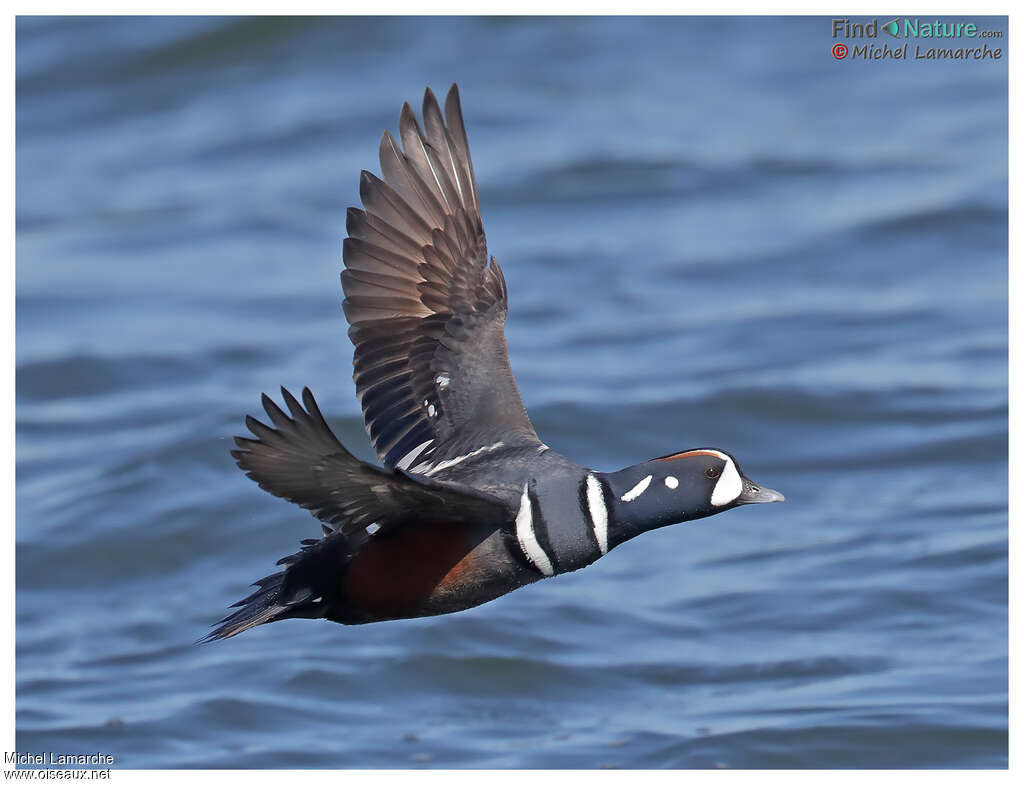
[
  {"x": 387, "y": 143},
  {"x": 366, "y": 180},
  {"x": 274, "y": 412},
  {"x": 430, "y": 103},
  {"x": 296, "y": 410},
  {"x": 407, "y": 116},
  {"x": 286, "y": 394}
]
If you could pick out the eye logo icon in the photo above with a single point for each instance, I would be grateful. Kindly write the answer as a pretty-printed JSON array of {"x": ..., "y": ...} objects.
[
  {"x": 892, "y": 28},
  {"x": 839, "y": 51}
]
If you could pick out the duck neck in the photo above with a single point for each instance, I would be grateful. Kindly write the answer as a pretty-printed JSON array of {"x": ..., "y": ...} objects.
[{"x": 646, "y": 497}]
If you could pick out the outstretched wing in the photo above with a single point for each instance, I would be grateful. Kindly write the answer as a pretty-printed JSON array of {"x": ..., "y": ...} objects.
[
  {"x": 301, "y": 460},
  {"x": 426, "y": 308}
]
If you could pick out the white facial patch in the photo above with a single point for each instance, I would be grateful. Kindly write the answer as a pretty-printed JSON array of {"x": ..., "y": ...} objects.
[
  {"x": 729, "y": 485},
  {"x": 671, "y": 483},
  {"x": 636, "y": 490}
]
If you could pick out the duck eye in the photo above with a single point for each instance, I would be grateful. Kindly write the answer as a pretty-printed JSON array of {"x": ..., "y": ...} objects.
[{"x": 712, "y": 472}]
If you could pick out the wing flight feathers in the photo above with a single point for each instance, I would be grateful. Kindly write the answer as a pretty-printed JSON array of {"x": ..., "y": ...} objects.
[{"x": 425, "y": 304}]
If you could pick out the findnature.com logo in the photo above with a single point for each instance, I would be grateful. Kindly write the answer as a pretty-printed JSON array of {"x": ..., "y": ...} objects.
[{"x": 960, "y": 39}]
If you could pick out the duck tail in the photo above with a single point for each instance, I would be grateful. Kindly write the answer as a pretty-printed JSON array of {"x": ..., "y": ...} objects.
[{"x": 289, "y": 594}]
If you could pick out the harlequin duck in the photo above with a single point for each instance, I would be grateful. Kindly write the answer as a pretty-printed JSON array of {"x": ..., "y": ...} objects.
[{"x": 469, "y": 503}]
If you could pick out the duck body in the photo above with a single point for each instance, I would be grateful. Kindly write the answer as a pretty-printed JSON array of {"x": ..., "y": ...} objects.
[{"x": 468, "y": 503}]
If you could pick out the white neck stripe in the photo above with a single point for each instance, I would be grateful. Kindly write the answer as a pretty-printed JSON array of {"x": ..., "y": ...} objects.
[
  {"x": 598, "y": 512},
  {"x": 528, "y": 538}
]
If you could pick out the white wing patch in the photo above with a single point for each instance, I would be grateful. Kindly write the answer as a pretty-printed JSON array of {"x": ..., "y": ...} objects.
[
  {"x": 428, "y": 469},
  {"x": 412, "y": 455}
]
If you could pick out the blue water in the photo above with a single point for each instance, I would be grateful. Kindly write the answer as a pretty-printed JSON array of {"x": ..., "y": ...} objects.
[{"x": 714, "y": 234}]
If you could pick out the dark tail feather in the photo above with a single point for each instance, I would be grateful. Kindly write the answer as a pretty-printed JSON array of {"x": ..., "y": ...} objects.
[
  {"x": 259, "y": 607},
  {"x": 295, "y": 593}
]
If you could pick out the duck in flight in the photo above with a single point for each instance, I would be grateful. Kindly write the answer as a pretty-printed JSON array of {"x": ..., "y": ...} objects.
[{"x": 469, "y": 503}]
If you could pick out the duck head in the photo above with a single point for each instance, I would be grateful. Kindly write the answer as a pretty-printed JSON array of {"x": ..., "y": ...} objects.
[{"x": 679, "y": 487}]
